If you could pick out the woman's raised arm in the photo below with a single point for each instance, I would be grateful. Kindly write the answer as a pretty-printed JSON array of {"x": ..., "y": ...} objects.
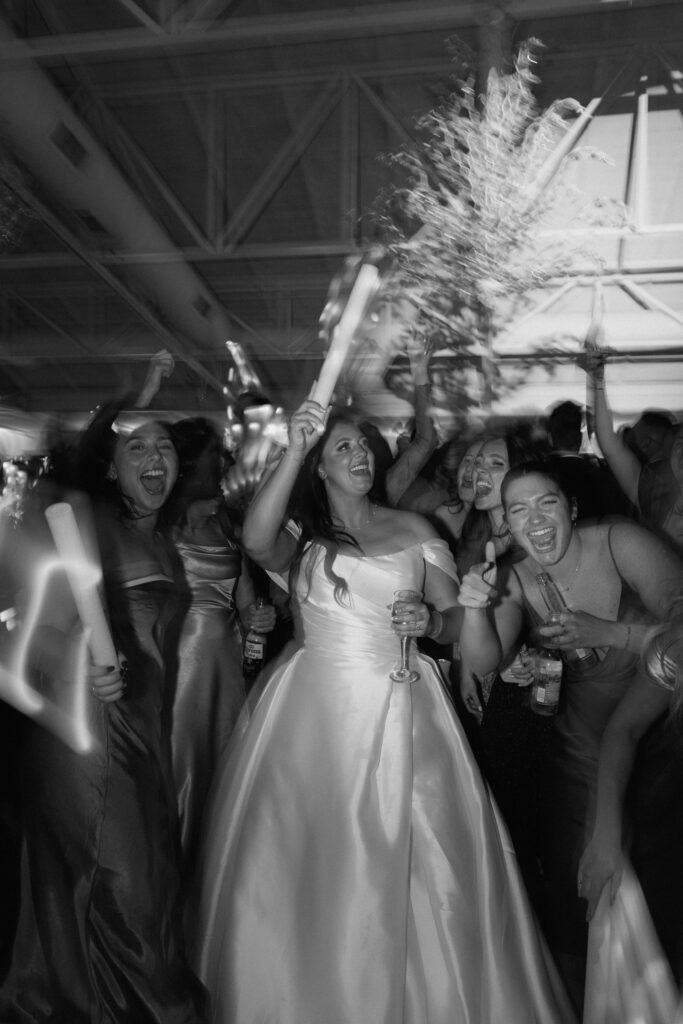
[{"x": 263, "y": 535}]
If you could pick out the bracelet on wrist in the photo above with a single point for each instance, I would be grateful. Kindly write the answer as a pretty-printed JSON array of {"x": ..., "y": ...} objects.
[{"x": 435, "y": 625}]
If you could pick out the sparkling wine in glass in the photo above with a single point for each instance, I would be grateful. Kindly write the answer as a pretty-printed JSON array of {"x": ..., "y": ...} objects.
[{"x": 404, "y": 674}]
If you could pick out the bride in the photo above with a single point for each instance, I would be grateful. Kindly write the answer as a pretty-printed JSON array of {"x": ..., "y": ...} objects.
[{"x": 355, "y": 869}]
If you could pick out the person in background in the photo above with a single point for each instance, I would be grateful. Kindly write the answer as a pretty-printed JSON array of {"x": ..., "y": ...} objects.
[
  {"x": 210, "y": 688},
  {"x": 651, "y": 436},
  {"x": 351, "y": 841},
  {"x": 585, "y": 477},
  {"x": 509, "y": 740},
  {"x": 100, "y": 936},
  {"x": 648, "y": 486},
  {"x": 451, "y": 514},
  {"x": 405, "y": 488}
]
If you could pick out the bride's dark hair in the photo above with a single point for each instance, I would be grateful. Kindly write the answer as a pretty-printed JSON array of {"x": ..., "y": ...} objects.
[{"x": 310, "y": 509}]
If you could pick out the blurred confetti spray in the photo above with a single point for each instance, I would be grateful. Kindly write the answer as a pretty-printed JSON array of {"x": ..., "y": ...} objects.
[{"x": 485, "y": 176}]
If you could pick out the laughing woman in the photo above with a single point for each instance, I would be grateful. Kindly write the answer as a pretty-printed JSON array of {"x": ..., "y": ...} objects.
[
  {"x": 616, "y": 580},
  {"x": 355, "y": 869},
  {"x": 99, "y": 939}
]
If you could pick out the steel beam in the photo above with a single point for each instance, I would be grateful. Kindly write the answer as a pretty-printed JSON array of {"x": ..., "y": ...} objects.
[
  {"x": 320, "y": 25},
  {"x": 281, "y": 165}
]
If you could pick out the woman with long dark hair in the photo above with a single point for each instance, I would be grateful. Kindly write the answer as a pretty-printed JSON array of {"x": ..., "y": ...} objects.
[
  {"x": 355, "y": 869},
  {"x": 100, "y": 936}
]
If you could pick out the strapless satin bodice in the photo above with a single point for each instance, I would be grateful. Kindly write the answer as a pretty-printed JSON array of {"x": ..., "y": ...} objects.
[{"x": 211, "y": 573}]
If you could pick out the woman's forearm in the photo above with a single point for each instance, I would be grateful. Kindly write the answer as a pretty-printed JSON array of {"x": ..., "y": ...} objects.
[
  {"x": 480, "y": 644},
  {"x": 262, "y": 536},
  {"x": 621, "y": 460},
  {"x": 445, "y": 624}
]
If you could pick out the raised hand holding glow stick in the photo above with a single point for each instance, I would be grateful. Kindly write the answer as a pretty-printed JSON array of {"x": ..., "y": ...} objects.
[
  {"x": 83, "y": 576},
  {"x": 352, "y": 315}
]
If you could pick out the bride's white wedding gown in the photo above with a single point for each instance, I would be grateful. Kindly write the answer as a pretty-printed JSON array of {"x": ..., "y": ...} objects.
[{"x": 355, "y": 870}]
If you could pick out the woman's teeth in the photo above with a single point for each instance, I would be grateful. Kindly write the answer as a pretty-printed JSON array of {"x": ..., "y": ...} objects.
[
  {"x": 483, "y": 487},
  {"x": 153, "y": 480},
  {"x": 542, "y": 539}
]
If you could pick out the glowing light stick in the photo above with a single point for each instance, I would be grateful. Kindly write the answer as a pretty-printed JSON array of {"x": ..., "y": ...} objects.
[
  {"x": 71, "y": 549},
  {"x": 66, "y": 714},
  {"x": 362, "y": 293}
]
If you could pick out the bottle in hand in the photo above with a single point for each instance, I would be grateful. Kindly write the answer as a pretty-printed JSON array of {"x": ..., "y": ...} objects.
[
  {"x": 254, "y": 654},
  {"x": 583, "y": 657},
  {"x": 547, "y": 684}
]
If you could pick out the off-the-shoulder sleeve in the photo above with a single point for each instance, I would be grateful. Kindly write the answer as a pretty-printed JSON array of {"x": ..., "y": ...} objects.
[{"x": 438, "y": 553}]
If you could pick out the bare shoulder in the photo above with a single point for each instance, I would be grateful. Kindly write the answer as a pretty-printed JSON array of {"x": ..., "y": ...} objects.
[
  {"x": 629, "y": 538},
  {"x": 410, "y": 527}
]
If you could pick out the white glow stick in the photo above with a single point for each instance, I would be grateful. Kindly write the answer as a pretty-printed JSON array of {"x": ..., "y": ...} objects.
[
  {"x": 363, "y": 289},
  {"x": 83, "y": 578}
]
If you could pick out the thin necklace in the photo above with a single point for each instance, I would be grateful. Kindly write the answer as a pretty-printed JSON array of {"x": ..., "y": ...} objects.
[{"x": 566, "y": 587}]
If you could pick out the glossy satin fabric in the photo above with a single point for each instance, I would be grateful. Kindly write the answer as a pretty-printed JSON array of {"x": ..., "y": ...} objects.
[
  {"x": 355, "y": 869},
  {"x": 100, "y": 938},
  {"x": 210, "y": 689}
]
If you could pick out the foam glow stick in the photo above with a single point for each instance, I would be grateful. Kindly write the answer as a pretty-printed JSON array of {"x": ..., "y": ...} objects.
[
  {"x": 83, "y": 583},
  {"x": 362, "y": 292}
]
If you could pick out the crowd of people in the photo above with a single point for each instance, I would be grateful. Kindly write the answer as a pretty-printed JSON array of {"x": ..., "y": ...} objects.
[{"x": 379, "y": 827}]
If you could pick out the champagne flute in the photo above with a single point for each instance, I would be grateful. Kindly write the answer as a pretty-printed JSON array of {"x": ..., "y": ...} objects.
[{"x": 404, "y": 674}]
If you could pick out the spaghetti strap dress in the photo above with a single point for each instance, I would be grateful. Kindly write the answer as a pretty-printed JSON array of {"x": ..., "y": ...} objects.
[{"x": 589, "y": 697}]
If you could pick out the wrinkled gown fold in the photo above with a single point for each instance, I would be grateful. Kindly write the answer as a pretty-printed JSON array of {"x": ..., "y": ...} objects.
[{"x": 355, "y": 869}]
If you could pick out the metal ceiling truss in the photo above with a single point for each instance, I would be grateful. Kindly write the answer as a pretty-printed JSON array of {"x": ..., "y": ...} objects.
[
  {"x": 267, "y": 186},
  {"x": 182, "y": 25},
  {"x": 166, "y": 336},
  {"x": 318, "y": 25}
]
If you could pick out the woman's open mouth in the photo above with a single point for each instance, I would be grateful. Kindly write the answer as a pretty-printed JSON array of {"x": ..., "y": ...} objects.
[
  {"x": 543, "y": 540},
  {"x": 153, "y": 481}
]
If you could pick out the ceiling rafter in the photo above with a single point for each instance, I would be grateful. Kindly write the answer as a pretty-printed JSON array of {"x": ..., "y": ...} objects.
[
  {"x": 170, "y": 338},
  {"x": 282, "y": 163},
  {"x": 205, "y": 12},
  {"x": 50, "y": 322},
  {"x": 327, "y": 24},
  {"x": 141, "y": 15}
]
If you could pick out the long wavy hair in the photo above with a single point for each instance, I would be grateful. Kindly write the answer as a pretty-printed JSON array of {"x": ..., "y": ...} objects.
[
  {"x": 195, "y": 439},
  {"x": 309, "y": 507},
  {"x": 476, "y": 530}
]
